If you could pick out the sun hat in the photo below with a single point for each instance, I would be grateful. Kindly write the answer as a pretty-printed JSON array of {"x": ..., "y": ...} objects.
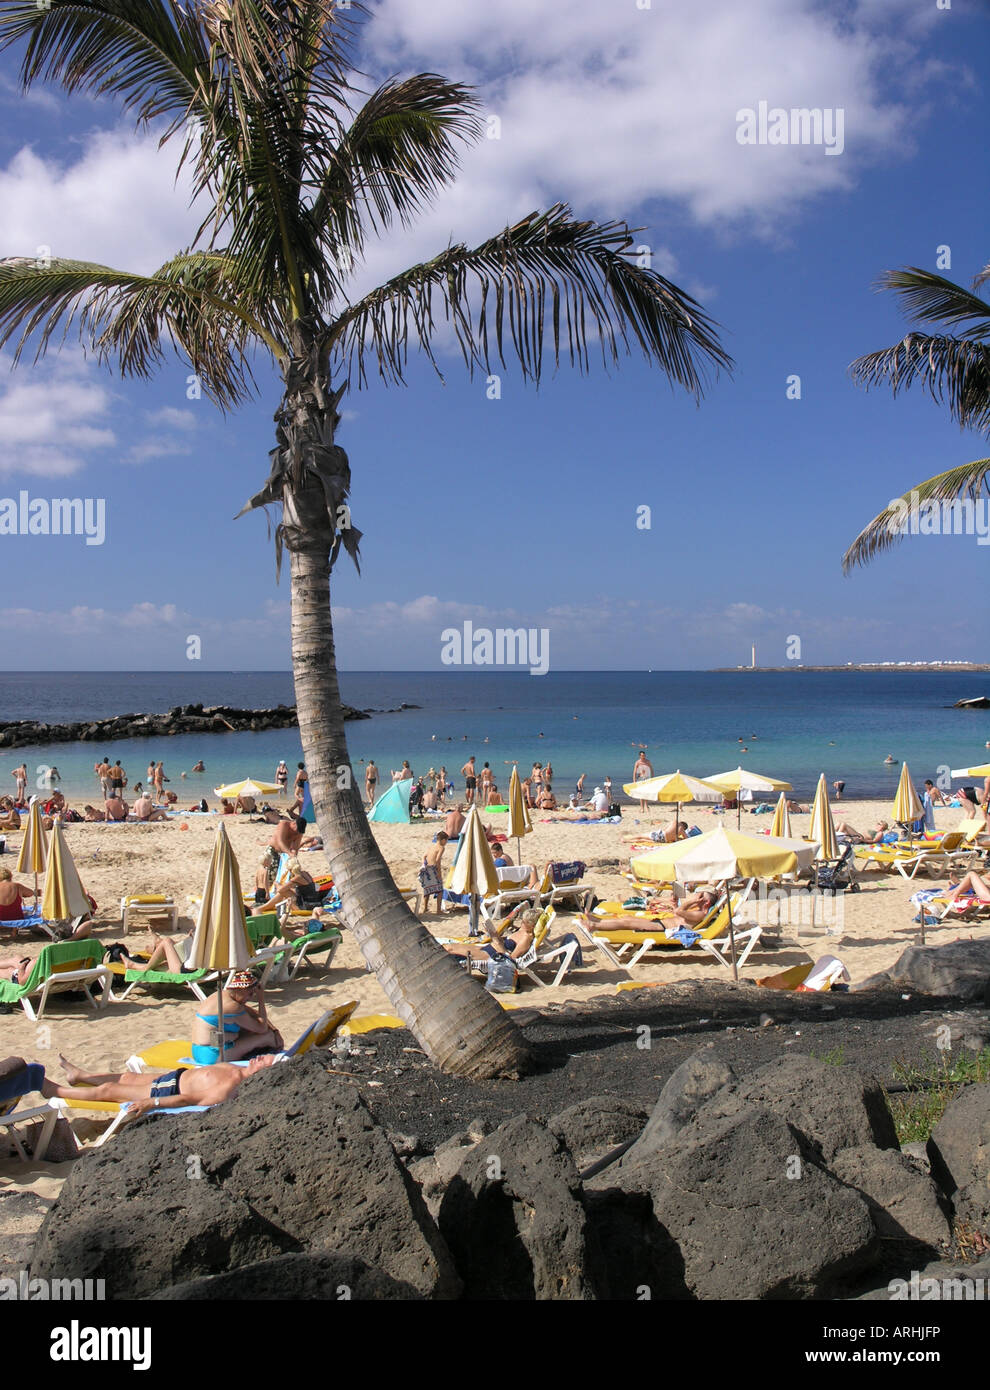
[{"x": 242, "y": 979}]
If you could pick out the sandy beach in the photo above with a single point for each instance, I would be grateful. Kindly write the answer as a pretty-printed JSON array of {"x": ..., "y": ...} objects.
[{"x": 868, "y": 930}]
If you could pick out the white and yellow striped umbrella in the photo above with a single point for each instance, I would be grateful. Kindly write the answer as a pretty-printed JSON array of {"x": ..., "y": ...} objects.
[
  {"x": 722, "y": 854},
  {"x": 739, "y": 780},
  {"x": 822, "y": 826},
  {"x": 249, "y": 787},
  {"x": 474, "y": 869},
  {"x": 519, "y": 821},
  {"x": 64, "y": 896},
  {"x": 982, "y": 770},
  {"x": 33, "y": 856},
  {"x": 672, "y": 787},
  {"x": 221, "y": 939},
  {"x": 907, "y": 806},
  {"x": 780, "y": 826}
]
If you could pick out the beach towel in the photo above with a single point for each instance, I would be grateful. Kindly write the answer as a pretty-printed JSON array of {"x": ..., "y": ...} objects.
[
  {"x": 684, "y": 935},
  {"x": 429, "y": 879},
  {"x": 571, "y": 872}
]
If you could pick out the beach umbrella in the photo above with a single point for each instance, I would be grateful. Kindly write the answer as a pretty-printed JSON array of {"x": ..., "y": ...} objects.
[
  {"x": 907, "y": 807},
  {"x": 519, "y": 822},
  {"x": 474, "y": 869},
  {"x": 822, "y": 826},
  {"x": 739, "y": 780},
  {"x": 64, "y": 897},
  {"x": 221, "y": 941},
  {"x": 720, "y": 856},
  {"x": 982, "y": 771},
  {"x": 33, "y": 856},
  {"x": 672, "y": 787},
  {"x": 249, "y": 787},
  {"x": 780, "y": 826}
]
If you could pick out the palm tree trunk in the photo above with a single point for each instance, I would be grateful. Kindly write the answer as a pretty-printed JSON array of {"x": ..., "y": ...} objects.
[{"x": 460, "y": 1027}]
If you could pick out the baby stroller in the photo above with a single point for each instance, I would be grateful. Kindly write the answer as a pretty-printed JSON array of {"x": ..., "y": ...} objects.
[
  {"x": 836, "y": 875},
  {"x": 415, "y": 800}
]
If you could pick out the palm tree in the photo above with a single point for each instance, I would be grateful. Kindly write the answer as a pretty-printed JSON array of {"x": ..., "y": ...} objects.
[
  {"x": 296, "y": 172},
  {"x": 954, "y": 370}
]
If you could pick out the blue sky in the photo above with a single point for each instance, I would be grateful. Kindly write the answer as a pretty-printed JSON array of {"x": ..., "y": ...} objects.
[{"x": 522, "y": 510}]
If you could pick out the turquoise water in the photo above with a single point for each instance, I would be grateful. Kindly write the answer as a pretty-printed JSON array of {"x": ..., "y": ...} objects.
[{"x": 794, "y": 725}]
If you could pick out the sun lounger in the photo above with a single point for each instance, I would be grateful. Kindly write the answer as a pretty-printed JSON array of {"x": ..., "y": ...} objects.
[
  {"x": 163, "y": 979},
  {"x": 61, "y": 967},
  {"x": 288, "y": 957},
  {"x": 543, "y": 953},
  {"x": 133, "y": 906},
  {"x": 713, "y": 935},
  {"x": 32, "y": 924},
  {"x": 17, "y": 1080},
  {"x": 907, "y": 859}
]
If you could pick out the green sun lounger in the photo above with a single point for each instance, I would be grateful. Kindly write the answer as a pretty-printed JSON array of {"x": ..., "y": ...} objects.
[{"x": 60, "y": 968}]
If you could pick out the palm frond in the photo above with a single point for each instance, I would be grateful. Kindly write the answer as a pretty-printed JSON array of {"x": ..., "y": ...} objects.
[
  {"x": 401, "y": 148},
  {"x": 548, "y": 276},
  {"x": 149, "y": 53},
  {"x": 916, "y": 511},
  {"x": 196, "y": 303},
  {"x": 955, "y": 371},
  {"x": 931, "y": 298}
]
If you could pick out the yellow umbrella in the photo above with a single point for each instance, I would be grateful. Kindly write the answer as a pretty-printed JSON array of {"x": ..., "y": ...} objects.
[
  {"x": 982, "y": 771},
  {"x": 33, "y": 856},
  {"x": 907, "y": 807},
  {"x": 221, "y": 939},
  {"x": 474, "y": 869},
  {"x": 822, "y": 826},
  {"x": 249, "y": 787},
  {"x": 740, "y": 780},
  {"x": 723, "y": 854},
  {"x": 64, "y": 896},
  {"x": 780, "y": 826},
  {"x": 519, "y": 822},
  {"x": 675, "y": 787}
]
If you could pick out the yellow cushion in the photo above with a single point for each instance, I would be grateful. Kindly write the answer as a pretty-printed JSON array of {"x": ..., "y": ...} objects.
[
  {"x": 369, "y": 1022},
  {"x": 168, "y": 1054}
]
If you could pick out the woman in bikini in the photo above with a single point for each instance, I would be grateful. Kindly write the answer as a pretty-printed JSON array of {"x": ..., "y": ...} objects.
[{"x": 245, "y": 1029}]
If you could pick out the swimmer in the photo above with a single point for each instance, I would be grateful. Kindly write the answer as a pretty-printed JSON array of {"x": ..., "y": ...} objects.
[{"x": 889, "y": 759}]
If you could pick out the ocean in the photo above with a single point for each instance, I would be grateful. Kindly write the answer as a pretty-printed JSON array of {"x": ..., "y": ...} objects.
[{"x": 793, "y": 725}]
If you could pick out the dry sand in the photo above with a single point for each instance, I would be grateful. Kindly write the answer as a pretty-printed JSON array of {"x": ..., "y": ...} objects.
[{"x": 874, "y": 927}]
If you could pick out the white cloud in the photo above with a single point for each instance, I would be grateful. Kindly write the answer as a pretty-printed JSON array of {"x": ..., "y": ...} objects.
[
  {"x": 52, "y": 416},
  {"x": 116, "y": 203},
  {"x": 620, "y": 110},
  {"x": 156, "y": 449},
  {"x": 173, "y": 418}
]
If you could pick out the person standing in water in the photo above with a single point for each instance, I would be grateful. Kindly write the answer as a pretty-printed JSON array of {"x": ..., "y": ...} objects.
[{"x": 370, "y": 782}]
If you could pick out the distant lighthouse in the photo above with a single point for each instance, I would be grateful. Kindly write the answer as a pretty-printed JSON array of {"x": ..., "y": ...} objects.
[{"x": 753, "y": 662}]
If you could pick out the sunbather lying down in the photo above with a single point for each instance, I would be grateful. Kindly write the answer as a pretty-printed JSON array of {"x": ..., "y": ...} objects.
[
  {"x": 689, "y": 912},
  {"x": 972, "y": 885},
  {"x": 166, "y": 1091},
  {"x": 856, "y": 837}
]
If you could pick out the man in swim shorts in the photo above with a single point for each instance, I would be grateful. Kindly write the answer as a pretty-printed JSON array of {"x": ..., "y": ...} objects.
[
  {"x": 167, "y": 1091},
  {"x": 469, "y": 773}
]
